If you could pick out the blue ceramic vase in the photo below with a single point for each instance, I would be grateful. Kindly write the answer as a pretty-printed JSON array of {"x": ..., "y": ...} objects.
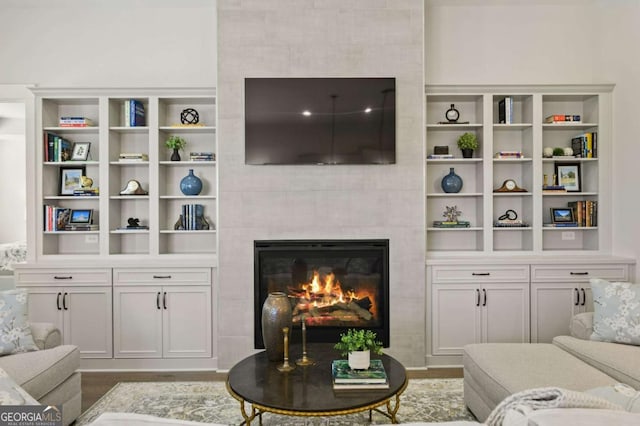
[
  {"x": 451, "y": 183},
  {"x": 191, "y": 184}
]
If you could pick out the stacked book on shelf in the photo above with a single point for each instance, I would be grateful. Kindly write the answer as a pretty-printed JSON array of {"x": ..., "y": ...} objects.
[
  {"x": 446, "y": 224},
  {"x": 56, "y": 148},
  {"x": 132, "y": 157},
  {"x": 509, "y": 154},
  {"x": 553, "y": 189},
  {"x": 75, "y": 122},
  {"x": 202, "y": 156},
  {"x": 345, "y": 378},
  {"x": 585, "y": 145},
  {"x": 585, "y": 212},
  {"x": 133, "y": 113},
  {"x": 505, "y": 110},
  {"x": 439, "y": 156},
  {"x": 86, "y": 192},
  {"x": 563, "y": 118}
]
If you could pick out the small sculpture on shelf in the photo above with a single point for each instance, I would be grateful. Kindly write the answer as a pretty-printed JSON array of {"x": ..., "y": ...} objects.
[
  {"x": 134, "y": 223},
  {"x": 189, "y": 116},
  {"x": 133, "y": 187},
  {"x": 451, "y": 215}
]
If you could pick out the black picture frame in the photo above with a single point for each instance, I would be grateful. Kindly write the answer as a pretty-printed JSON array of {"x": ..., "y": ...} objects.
[
  {"x": 569, "y": 175},
  {"x": 81, "y": 217},
  {"x": 70, "y": 179},
  {"x": 562, "y": 215},
  {"x": 80, "y": 151}
]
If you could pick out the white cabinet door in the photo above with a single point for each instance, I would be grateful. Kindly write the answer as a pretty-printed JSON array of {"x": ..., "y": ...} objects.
[
  {"x": 186, "y": 321},
  {"x": 456, "y": 317},
  {"x": 45, "y": 305},
  {"x": 505, "y": 313},
  {"x": 87, "y": 320},
  {"x": 137, "y": 322},
  {"x": 553, "y": 305}
]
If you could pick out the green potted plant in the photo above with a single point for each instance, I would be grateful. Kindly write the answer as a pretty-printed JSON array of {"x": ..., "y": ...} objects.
[
  {"x": 467, "y": 142},
  {"x": 175, "y": 143},
  {"x": 358, "y": 345}
]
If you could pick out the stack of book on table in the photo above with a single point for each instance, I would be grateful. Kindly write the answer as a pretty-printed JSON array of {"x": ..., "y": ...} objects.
[{"x": 344, "y": 378}]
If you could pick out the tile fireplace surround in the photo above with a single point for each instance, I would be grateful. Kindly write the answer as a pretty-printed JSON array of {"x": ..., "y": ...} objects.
[{"x": 283, "y": 39}]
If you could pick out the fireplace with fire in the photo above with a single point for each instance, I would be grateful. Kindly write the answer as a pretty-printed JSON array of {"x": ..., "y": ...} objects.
[{"x": 332, "y": 285}]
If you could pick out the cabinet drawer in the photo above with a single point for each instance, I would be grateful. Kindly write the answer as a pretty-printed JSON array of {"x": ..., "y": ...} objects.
[
  {"x": 66, "y": 277},
  {"x": 160, "y": 276},
  {"x": 577, "y": 272},
  {"x": 480, "y": 273}
]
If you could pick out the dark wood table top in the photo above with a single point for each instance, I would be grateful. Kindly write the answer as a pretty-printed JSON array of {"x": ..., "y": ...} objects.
[{"x": 307, "y": 389}]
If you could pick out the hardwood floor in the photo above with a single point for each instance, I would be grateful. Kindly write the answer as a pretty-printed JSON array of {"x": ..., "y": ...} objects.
[{"x": 96, "y": 384}]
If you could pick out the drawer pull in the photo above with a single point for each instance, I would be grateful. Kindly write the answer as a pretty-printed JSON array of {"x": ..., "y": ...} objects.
[
  {"x": 481, "y": 274},
  {"x": 162, "y": 277},
  {"x": 578, "y": 273},
  {"x": 577, "y": 302},
  {"x": 58, "y": 301},
  {"x": 584, "y": 297},
  {"x": 158, "y": 300},
  {"x": 64, "y": 302},
  {"x": 56, "y": 277},
  {"x": 164, "y": 300},
  {"x": 477, "y": 297},
  {"x": 484, "y": 293}
]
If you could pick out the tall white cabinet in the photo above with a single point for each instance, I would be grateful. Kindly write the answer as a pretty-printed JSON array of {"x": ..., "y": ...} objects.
[
  {"x": 134, "y": 314},
  {"x": 491, "y": 283}
]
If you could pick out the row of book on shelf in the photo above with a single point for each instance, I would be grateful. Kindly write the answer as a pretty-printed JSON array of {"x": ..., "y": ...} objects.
[
  {"x": 75, "y": 122},
  {"x": 563, "y": 118},
  {"x": 505, "y": 110},
  {"x": 133, "y": 113},
  {"x": 346, "y": 378},
  {"x": 56, "y": 148},
  {"x": 65, "y": 219},
  {"x": 585, "y": 212},
  {"x": 192, "y": 217},
  {"x": 585, "y": 145}
]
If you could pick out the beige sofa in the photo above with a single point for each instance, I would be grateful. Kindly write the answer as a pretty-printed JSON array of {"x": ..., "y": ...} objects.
[
  {"x": 493, "y": 371},
  {"x": 50, "y": 374}
]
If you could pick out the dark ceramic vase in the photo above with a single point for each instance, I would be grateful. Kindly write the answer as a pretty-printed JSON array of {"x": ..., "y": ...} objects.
[
  {"x": 451, "y": 183},
  {"x": 467, "y": 153},
  {"x": 191, "y": 184},
  {"x": 276, "y": 314},
  {"x": 175, "y": 156}
]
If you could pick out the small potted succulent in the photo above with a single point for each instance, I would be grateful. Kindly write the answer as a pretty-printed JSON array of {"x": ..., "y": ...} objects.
[
  {"x": 358, "y": 345},
  {"x": 175, "y": 143},
  {"x": 467, "y": 142}
]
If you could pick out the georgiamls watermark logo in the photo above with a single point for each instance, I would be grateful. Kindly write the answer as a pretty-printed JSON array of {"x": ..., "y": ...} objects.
[{"x": 30, "y": 415}]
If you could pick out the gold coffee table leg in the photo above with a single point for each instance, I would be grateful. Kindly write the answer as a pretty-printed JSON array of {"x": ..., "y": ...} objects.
[
  {"x": 392, "y": 411},
  {"x": 248, "y": 418}
]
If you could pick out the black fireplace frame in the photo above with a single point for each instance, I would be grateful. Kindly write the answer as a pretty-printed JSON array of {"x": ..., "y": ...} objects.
[{"x": 323, "y": 334}]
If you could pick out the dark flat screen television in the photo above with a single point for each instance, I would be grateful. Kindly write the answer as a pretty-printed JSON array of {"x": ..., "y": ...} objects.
[{"x": 320, "y": 121}]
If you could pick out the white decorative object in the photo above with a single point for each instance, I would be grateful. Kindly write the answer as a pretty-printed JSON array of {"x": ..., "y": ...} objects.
[
  {"x": 359, "y": 360},
  {"x": 568, "y": 151},
  {"x": 547, "y": 152}
]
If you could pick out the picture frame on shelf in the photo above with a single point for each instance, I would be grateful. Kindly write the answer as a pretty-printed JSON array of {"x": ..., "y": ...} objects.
[
  {"x": 81, "y": 217},
  {"x": 562, "y": 215},
  {"x": 70, "y": 179},
  {"x": 569, "y": 176},
  {"x": 80, "y": 151}
]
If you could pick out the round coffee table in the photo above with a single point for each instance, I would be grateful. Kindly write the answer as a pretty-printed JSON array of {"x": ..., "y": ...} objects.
[{"x": 308, "y": 390}]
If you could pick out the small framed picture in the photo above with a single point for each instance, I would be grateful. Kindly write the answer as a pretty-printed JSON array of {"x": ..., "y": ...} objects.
[
  {"x": 562, "y": 215},
  {"x": 70, "y": 179},
  {"x": 80, "y": 151},
  {"x": 81, "y": 217},
  {"x": 569, "y": 176}
]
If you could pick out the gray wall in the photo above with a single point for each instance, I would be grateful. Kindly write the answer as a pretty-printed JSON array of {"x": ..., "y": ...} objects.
[{"x": 309, "y": 38}]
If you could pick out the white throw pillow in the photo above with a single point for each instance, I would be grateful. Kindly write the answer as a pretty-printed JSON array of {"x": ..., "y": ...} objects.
[
  {"x": 616, "y": 315},
  {"x": 15, "y": 332}
]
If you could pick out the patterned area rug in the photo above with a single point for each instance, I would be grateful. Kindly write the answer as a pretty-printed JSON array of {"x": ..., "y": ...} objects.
[{"x": 424, "y": 400}]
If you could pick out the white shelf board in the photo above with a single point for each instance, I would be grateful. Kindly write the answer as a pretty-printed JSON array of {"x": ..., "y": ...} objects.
[
  {"x": 129, "y": 129},
  {"x": 471, "y": 228},
  {"x": 188, "y": 162},
  {"x": 194, "y": 231},
  {"x": 188, "y": 197},
  {"x": 454, "y": 160},
  {"x": 512, "y": 126}
]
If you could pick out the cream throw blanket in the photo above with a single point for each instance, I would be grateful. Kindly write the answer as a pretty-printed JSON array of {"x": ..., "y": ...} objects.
[{"x": 525, "y": 402}]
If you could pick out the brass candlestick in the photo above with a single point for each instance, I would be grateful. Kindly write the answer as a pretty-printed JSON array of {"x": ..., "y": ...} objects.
[
  {"x": 285, "y": 367},
  {"x": 305, "y": 360}
]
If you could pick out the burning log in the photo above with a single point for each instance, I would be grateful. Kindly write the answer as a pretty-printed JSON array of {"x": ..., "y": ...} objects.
[{"x": 362, "y": 313}]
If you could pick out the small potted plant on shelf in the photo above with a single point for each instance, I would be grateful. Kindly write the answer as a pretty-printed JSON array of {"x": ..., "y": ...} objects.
[
  {"x": 358, "y": 345},
  {"x": 467, "y": 143},
  {"x": 175, "y": 143}
]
